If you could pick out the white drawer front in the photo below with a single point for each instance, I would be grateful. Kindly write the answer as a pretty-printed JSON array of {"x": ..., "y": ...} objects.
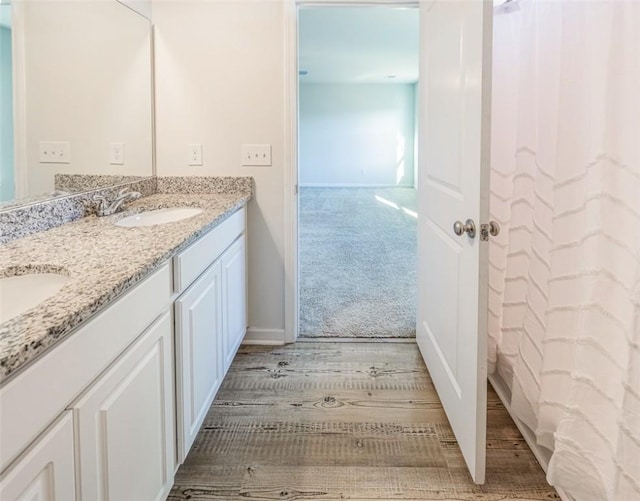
[
  {"x": 190, "y": 263},
  {"x": 34, "y": 398}
]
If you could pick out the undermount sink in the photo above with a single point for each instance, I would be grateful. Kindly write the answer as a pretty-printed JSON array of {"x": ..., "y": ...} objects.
[
  {"x": 19, "y": 293},
  {"x": 158, "y": 216}
]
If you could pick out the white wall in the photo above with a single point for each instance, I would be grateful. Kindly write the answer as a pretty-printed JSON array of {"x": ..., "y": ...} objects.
[
  {"x": 88, "y": 82},
  {"x": 220, "y": 82},
  {"x": 142, "y": 7},
  {"x": 356, "y": 134}
]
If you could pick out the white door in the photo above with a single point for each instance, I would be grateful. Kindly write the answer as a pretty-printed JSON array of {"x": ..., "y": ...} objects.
[
  {"x": 234, "y": 299},
  {"x": 453, "y": 186},
  {"x": 199, "y": 370},
  {"x": 46, "y": 472},
  {"x": 125, "y": 423}
]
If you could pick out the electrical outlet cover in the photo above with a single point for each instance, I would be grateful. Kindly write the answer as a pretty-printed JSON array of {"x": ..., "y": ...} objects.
[
  {"x": 194, "y": 154},
  {"x": 116, "y": 153}
]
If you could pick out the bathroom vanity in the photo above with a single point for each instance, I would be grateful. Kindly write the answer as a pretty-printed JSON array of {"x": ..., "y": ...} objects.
[{"x": 106, "y": 384}]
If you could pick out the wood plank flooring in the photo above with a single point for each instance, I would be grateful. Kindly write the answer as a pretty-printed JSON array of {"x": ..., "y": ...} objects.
[{"x": 359, "y": 421}]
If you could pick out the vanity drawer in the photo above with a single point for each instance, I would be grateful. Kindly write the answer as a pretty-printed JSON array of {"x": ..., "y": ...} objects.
[
  {"x": 34, "y": 398},
  {"x": 194, "y": 260}
]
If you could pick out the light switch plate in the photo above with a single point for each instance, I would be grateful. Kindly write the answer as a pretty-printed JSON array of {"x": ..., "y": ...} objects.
[
  {"x": 54, "y": 152},
  {"x": 256, "y": 154}
]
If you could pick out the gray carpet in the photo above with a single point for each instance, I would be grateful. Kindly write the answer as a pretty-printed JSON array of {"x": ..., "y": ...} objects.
[{"x": 357, "y": 256}]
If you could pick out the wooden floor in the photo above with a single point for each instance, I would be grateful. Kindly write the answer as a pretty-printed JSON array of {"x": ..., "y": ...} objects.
[{"x": 345, "y": 421}]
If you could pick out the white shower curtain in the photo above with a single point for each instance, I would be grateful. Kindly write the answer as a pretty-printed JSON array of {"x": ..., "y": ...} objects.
[{"x": 565, "y": 271}]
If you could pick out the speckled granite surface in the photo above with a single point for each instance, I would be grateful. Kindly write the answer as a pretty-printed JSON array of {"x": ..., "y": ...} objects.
[
  {"x": 103, "y": 261},
  {"x": 19, "y": 222},
  {"x": 195, "y": 185},
  {"x": 75, "y": 183}
]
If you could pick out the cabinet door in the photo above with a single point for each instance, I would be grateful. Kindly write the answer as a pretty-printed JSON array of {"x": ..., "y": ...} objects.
[
  {"x": 199, "y": 354},
  {"x": 46, "y": 471},
  {"x": 125, "y": 423},
  {"x": 234, "y": 299}
]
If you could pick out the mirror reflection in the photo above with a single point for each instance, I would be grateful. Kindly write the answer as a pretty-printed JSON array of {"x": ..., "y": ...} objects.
[
  {"x": 76, "y": 95},
  {"x": 6, "y": 106}
]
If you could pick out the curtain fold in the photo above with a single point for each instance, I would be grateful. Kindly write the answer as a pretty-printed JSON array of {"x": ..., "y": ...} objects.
[{"x": 565, "y": 274}]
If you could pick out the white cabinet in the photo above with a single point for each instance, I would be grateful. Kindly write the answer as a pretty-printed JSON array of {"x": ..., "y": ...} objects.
[
  {"x": 125, "y": 423},
  {"x": 45, "y": 472},
  {"x": 234, "y": 294},
  {"x": 211, "y": 320},
  {"x": 95, "y": 418},
  {"x": 199, "y": 353},
  {"x": 34, "y": 398},
  {"x": 116, "y": 373}
]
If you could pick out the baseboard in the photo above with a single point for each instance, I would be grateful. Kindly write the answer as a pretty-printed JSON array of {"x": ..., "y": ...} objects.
[
  {"x": 541, "y": 453},
  {"x": 380, "y": 340},
  {"x": 265, "y": 337},
  {"x": 353, "y": 185}
]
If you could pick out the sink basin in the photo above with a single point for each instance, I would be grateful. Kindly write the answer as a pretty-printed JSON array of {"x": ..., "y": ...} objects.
[
  {"x": 22, "y": 292},
  {"x": 158, "y": 216}
]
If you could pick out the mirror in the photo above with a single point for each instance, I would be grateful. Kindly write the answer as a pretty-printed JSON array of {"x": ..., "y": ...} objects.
[{"x": 80, "y": 94}]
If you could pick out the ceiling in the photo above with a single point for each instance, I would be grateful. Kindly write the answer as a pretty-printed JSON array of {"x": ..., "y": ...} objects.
[{"x": 358, "y": 44}]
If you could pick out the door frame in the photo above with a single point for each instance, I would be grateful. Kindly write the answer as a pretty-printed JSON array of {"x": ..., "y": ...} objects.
[{"x": 291, "y": 164}]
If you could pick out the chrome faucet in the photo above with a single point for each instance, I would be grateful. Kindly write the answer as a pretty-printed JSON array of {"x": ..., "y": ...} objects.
[{"x": 104, "y": 207}]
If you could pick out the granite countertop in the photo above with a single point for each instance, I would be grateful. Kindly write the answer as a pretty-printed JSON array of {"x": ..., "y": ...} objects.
[{"x": 102, "y": 261}]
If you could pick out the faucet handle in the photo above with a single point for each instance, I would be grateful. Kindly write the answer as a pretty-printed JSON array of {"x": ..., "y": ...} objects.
[
  {"x": 122, "y": 192},
  {"x": 101, "y": 204},
  {"x": 100, "y": 200}
]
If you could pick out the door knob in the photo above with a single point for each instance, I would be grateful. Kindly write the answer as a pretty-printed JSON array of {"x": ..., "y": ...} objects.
[
  {"x": 468, "y": 227},
  {"x": 492, "y": 229}
]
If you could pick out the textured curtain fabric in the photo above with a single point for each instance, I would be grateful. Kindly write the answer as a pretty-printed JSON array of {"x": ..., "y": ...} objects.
[{"x": 565, "y": 272}]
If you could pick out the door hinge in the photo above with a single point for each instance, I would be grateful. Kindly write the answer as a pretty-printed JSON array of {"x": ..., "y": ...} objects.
[{"x": 295, "y": 190}]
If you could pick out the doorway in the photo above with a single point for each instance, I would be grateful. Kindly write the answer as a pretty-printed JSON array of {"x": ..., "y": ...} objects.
[
  {"x": 455, "y": 44},
  {"x": 357, "y": 130}
]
